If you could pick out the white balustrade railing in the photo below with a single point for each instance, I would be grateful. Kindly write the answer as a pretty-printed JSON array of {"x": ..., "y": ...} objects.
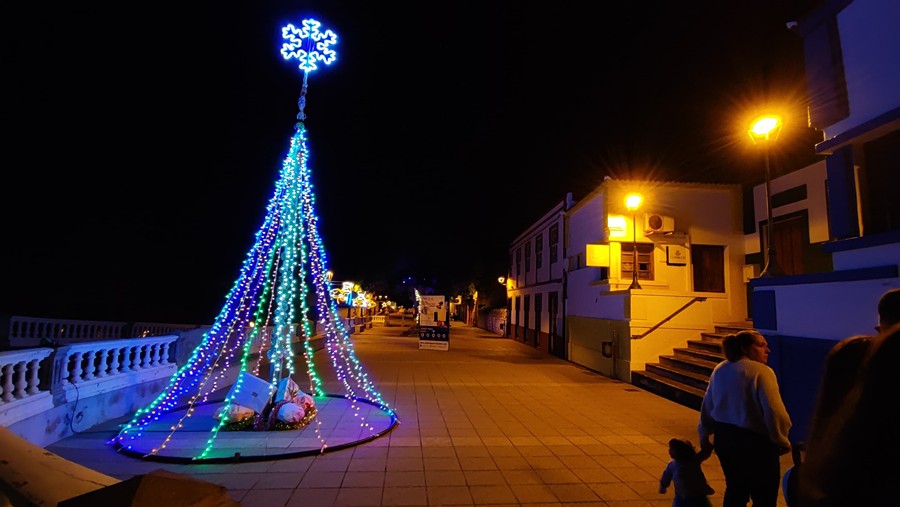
[
  {"x": 83, "y": 362},
  {"x": 87, "y": 369},
  {"x": 20, "y": 393},
  {"x": 26, "y": 332},
  {"x": 79, "y": 371},
  {"x": 19, "y": 373},
  {"x": 144, "y": 329}
]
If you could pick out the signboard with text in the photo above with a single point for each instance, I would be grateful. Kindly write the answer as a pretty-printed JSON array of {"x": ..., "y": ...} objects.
[{"x": 434, "y": 323}]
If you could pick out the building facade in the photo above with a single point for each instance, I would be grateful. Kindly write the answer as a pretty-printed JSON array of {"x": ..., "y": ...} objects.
[
  {"x": 852, "y": 57},
  {"x": 535, "y": 284},
  {"x": 685, "y": 250}
]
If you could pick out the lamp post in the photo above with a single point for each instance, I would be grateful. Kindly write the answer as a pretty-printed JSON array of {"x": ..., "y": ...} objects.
[
  {"x": 763, "y": 132},
  {"x": 633, "y": 203}
]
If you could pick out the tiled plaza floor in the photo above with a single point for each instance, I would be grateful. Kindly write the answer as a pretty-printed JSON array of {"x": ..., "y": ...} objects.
[{"x": 489, "y": 422}]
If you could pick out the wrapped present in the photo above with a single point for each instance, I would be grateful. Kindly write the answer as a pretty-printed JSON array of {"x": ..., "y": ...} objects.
[
  {"x": 235, "y": 412},
  {"x": 287, "y": 389},
  {"x": 290, "y": 413},
  {"x": 304, "y": 400},
  {"x": 251, "y": 391}
]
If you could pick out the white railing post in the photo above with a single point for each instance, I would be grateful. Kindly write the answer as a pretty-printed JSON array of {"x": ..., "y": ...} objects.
[
  {"x": 101, "y": 363},
  {"x": 19, "y": 391},
  {"x": 33, "y": 366},
  {"x": 6, "y": 382},
  {"x": 133, "y": 357},
  {"x": 145, "y": 355},
  {"x": 89, "y": 365},
  {"x": 75, "y": 375},
  {"x": 114, "y": 354}
]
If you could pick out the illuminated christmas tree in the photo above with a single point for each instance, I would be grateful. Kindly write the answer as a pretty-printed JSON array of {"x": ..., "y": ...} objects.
[{"x": 285, "y": 268}]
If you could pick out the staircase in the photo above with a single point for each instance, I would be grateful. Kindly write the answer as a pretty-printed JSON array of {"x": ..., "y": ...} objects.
[{"x": 683, "y": 376}]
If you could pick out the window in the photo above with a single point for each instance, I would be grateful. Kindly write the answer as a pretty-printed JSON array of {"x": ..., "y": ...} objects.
[
  {"x": 518, "y": 261},
  {"x": 644, "y": 261},
  {"x": 528, "y": 256},
  {"x": 554, "y": 243},
  {"x": 538, "y": 251}
]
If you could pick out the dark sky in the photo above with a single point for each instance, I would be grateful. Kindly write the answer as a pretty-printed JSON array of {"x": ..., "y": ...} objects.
[{"x": 144, "y": 140}]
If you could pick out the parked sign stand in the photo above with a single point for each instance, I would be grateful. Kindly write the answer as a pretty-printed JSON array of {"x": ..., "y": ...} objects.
[{"x": 434, "y": 323}]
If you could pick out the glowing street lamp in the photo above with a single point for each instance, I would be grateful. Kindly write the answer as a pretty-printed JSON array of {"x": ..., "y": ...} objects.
[
  {"x": 633, "y": 203},
  {"x": 764, "y": 131}
]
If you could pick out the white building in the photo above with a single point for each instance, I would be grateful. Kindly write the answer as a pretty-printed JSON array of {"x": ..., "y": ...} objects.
[
  {"x": 535, "y": 286},
  {"x": 690, "y": 257}
]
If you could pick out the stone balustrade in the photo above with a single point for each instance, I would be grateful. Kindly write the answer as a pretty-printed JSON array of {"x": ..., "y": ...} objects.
[
  {"x": 19, "y": 374},
  {"x": 25, "y": 332},
  {"x": 50, "y": 393},
  {"x": 52, "y": 384},
  {"x": 84, "y": 362}
]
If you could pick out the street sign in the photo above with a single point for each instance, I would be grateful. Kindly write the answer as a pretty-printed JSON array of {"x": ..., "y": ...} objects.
[{"x": 434, "y": 323}]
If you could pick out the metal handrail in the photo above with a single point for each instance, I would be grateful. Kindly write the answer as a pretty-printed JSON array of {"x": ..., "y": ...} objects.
[{"x": 697, "y": 299}]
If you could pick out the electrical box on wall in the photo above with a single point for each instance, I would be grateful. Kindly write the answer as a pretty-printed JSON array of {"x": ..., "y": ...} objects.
[{"x": 658, "y": 223}]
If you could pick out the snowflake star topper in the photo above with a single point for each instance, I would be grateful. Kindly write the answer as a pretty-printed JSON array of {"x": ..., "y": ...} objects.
[{"x": 308, "y": 44}]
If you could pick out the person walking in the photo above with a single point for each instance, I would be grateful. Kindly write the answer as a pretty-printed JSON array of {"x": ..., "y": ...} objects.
[
  {"x": 686, "y": 472},
  {"x": 743, "y": 410}
]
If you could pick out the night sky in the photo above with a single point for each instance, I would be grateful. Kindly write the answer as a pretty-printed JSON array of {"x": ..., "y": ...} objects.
[{"x": 144, "y": 140}]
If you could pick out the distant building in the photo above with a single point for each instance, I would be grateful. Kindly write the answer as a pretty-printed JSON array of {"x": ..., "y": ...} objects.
[{"x": 535, "y": 285}]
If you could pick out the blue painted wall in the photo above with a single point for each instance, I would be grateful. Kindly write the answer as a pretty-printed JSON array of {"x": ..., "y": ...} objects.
[{"x": 798, "y": 363}]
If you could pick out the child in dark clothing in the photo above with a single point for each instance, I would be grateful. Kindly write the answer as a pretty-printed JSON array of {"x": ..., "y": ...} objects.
[{"x": 691, "y": 488}]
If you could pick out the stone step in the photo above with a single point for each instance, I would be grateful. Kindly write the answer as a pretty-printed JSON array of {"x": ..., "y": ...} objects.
[
  {"x": 705, "y": 355},
  {"x": 691, "y": 364},
  {"x": 683, "y": 376},
  {"x": 713, "y": 347},
  {"x": 697, "y": 380},
  {"x": 733, "y": 328},
  {"x": 713, "y": 337},
  {"x": 668, "y": 388}
]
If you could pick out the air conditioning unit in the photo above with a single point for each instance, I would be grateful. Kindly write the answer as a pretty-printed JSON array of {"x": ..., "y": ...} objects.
[{"x": 658, "y": 223}]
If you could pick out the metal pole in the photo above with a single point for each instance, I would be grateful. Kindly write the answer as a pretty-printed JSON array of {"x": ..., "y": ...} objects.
[
  {"x": 771, "y": 261},
  {"x": 634, "y": 259}
]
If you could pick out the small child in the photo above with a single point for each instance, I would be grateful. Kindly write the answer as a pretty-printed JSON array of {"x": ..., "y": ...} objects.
[{"x": 691, "y": 488}]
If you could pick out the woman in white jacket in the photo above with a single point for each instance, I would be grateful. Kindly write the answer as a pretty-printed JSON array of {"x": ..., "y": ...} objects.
[{"x": 743, "y": 409}]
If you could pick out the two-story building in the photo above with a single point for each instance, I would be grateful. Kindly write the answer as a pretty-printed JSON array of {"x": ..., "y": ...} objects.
[{"x": 535, "y": 283}]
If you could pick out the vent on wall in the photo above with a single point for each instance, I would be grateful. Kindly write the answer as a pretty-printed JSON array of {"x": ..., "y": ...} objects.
[{"x": 658, "y": 223}]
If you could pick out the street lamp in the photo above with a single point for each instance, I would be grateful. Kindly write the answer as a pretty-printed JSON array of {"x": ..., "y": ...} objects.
[
  {"x": 763, "y": 132},
  {"x": 633, "y": 203}
]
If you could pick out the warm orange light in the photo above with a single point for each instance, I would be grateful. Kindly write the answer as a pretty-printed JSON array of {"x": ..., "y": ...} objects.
[
  {"x": 617, "y": 226},
  {"x": 765, "y": 128},
  {"x": 633, "y": 202}
]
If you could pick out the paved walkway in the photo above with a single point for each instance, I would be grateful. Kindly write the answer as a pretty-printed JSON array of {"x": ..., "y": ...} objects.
[{"x": 489, "y": 422}]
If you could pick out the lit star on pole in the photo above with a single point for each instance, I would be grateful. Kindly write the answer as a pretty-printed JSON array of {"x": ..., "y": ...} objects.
[{"x": 308, "y": 44}]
